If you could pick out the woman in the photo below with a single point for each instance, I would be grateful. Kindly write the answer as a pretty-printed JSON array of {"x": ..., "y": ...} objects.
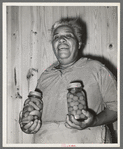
[{"x": 99, "y": 84}]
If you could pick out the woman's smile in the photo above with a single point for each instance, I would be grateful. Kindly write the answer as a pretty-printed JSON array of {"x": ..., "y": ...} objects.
[{"x": 63, "y": 46}]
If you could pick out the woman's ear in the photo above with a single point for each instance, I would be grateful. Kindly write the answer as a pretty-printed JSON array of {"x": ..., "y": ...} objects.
[{"x": 80, "y": 44}]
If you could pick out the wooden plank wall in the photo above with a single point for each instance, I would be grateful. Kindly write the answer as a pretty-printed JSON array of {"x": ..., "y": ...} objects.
[{"x": 28, "y": 46}]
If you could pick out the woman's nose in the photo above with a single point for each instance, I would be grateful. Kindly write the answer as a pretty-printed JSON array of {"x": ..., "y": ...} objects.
[{"x": 62, "y": 39}]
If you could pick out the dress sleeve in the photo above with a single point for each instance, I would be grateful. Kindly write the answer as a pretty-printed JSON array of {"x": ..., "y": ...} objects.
[
  {"x": 39, "y": 84},
  {"x": 108, "y": 88}
]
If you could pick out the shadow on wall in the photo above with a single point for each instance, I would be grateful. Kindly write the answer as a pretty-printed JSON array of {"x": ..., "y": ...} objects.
[{"x": 103, "y": 60}]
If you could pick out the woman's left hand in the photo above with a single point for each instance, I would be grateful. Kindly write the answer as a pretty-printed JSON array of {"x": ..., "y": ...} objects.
[{"x": 71, "y": 122}]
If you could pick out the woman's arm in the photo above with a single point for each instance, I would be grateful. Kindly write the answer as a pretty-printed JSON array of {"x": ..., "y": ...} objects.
[{"x": 105, "y": 117}]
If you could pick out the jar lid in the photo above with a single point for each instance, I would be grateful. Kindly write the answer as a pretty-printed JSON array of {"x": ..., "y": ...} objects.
[
  {"x": 73, "y": 85},
  {"x": 35, "y": 93}
]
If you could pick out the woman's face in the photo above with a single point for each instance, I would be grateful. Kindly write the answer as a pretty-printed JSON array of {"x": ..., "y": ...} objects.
[{"x": 65, "y": 45}]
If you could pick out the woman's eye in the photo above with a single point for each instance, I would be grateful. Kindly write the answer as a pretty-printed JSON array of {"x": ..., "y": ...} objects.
[
  {"x": 55, "y": 37},
  {"x": 64, "y": 36},
  {"x": 69, "y": 35}
]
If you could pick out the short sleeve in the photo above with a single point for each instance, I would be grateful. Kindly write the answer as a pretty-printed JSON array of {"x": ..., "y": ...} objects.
[
  {"x": 39, "y": 84},
  {"x": 108, "y": 88}
]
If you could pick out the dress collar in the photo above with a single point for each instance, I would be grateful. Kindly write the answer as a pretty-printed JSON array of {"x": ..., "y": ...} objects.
[{"x": 80, "y": 63}]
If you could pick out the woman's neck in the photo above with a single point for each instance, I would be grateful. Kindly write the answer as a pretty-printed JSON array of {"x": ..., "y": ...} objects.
[{"x": 64, "y": 66}]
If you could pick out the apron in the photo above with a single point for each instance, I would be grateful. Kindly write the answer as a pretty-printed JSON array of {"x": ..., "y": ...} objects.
[{"x": 57, "y": 133}]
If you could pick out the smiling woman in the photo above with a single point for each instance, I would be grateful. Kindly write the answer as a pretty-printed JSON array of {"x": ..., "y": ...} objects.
[{"x": 99, "y": 88}]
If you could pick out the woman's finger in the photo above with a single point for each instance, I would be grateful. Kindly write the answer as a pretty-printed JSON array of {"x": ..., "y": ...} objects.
[
  {"x": 74, "y": 120},
  {"x": 25, "y": 122},
  {"x": 33, "y": 126},
  {"x": 70, "y": 123},
  {"x": 37, "y": 127},
  {"x": 28, "y": 125},
  {"x": 87, "y": 113},
  {"x": 67, "y": 126},
  {"x": 83, "y": 125}
]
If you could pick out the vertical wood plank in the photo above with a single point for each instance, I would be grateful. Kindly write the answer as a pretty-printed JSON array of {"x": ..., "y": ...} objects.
[
  {"x": 17, "y": 70},
  {"x": 64, "y": 11},
  {"x": 9, "y": 81},
  {"x": 26, "y": 47},
  {"x": 33, "y": 47},
  {"x": 112, "y": 36},
  {"x": 73, "y": 11},
  {"x": 14, "y": 97},
  {"x": 45, "y": 53}
]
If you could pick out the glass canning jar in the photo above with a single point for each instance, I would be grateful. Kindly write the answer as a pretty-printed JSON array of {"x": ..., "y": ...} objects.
[
  {"x": 76, "y": 101},
  {"x": 33, "y": 107}
]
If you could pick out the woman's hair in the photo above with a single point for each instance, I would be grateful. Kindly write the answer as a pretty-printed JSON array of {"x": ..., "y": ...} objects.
[{"x": 74, "y": 23}]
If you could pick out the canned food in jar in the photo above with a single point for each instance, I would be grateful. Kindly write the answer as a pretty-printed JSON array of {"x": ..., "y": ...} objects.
[
  {"x": 33, "y": 107},
  {"x": 76, "y": 100}
]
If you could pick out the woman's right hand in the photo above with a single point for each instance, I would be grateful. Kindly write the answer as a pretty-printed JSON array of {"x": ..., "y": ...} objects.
[
  {"x": 30, "y": 127},
  {"x": 30, "y": 117}
]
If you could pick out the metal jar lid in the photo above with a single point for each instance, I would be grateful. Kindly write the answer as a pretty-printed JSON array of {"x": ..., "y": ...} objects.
[
  {"x": 34, "y": 93},
  {"x": 74, "y": 85}
]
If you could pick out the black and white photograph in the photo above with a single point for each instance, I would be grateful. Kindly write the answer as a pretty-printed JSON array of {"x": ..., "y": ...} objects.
[{"x": 61, "y": 74}]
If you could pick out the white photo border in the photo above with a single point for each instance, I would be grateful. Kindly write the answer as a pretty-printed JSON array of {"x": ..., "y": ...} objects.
[{"x": 4, "y": 65}]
